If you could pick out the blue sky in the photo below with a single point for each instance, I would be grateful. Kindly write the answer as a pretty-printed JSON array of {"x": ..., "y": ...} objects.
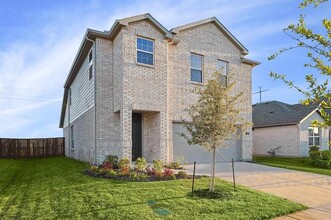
[{"x": 39, "y": 40}]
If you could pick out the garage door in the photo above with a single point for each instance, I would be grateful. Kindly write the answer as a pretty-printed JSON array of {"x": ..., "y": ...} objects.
[{"x": 190, "y": 153}]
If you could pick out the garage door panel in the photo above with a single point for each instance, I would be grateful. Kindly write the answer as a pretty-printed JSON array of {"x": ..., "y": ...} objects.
[{"x": 190, "y": 153}]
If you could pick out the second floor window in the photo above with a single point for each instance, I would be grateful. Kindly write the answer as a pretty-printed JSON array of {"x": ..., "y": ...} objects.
[
  {"x": 314, "y": 134},
  {"x": 196, "y": 68},
  {"x": 145, "y": 51},
  {"x": 222, "y": 67}
]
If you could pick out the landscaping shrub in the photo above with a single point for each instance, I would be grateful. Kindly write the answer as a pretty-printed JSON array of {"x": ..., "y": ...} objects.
[
  {"x": 112, "y": 174},
  {"x": 140, "y": 164},
  {"x": 182, "y": 175},
  {"x": 158, "y": 165},
  {"x": 325, "y": 154},
  {"x": 113, "y": 160},
  {"x": 150, "y": 171},
  {"x": 174, "y": 165},
  {"x": 314, "y": 152},
  {"x": 124, "y": 166},
  {"x": 137, "y": 176},
  {"x": 321, "y": 163},
  {"x": 168, "y": 174},
  {"x": 94, "y": 169},
  {"x": 314, "y": 148}
]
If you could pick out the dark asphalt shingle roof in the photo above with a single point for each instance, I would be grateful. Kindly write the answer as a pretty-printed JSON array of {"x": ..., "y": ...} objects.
[{"x": 278, "y": 113}]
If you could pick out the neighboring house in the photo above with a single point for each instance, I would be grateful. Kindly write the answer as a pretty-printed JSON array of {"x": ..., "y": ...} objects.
[
  {"x": 128, "y": 88},
  {"x": 287, "y": 129}
]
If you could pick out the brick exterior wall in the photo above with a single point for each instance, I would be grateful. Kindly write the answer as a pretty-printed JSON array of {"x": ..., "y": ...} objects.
[
  {"x": 207, "y": 40},
  {"x": 160, "y": 92},
  {"x": 83, "y": 137},
  {"x": 285, "y": 137}
]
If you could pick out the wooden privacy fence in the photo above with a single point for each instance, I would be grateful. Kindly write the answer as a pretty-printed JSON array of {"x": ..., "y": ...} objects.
[{"x": 28, "y": 148}]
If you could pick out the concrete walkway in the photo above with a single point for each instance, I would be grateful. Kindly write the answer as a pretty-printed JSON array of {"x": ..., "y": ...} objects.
[{"x": 312, "y": 190}]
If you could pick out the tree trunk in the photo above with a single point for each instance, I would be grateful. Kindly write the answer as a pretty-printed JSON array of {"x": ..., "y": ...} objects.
[{"x": 212, "y": 181}]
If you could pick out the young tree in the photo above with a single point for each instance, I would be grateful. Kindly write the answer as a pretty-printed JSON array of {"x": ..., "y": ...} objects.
[
  {"x": 215, "y": 117},
  {"x": 318, "y": 47}
]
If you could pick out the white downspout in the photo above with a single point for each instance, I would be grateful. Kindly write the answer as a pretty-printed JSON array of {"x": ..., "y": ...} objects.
[{"x": 95, "y": 97}]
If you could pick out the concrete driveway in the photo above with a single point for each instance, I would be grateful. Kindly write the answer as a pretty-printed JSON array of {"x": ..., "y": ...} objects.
[{"x": 312, "y": 190}]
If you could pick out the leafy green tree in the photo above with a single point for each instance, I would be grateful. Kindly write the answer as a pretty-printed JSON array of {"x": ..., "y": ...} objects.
[
  {"x": 214, "y": 118},
  {"x": 318, "y": 51}
]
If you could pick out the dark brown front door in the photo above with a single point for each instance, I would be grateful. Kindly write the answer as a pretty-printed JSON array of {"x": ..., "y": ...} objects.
[{"x": 136, "y": 136}]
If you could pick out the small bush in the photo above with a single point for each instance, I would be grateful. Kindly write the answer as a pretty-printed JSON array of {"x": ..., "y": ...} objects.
[
  {"x": 106, "y": 166},
  {"x": 103, "y": 171},
  {"x": 158, "y": 165},
  {"x": 314, "y": 154},
  {"x": 314, "y": 148},
  {"x": 150, "y": 171},
  {"x": 325, "y": 154},
  {"x": 94, "y": 169},
  {"x": 124, "y": 166},
  {"x": 112, "y": 174},
  {"x": 113, "y": 160},
  {"x": 174, "y": 165},
  {"x": 182, "y": 175},
  {"x": 321, "y": 163},
  {"x": 168, "y": 174},
  {"x": 140, "y": 164},
  {"x": 136, "y": 176}
]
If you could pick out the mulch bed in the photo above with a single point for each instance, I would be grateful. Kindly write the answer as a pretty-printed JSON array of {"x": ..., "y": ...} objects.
[{"x": 148, "y": 179}]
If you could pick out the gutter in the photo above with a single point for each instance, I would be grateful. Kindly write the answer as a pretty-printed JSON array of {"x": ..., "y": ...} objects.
[{"x": 95, "y": 97}]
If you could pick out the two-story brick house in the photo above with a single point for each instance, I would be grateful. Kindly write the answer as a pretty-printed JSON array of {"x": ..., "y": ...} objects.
[{"x": 128, "y": 88}]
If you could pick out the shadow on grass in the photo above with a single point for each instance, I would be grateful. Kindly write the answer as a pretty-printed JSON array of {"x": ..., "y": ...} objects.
[{"x": 153, "y": 205}]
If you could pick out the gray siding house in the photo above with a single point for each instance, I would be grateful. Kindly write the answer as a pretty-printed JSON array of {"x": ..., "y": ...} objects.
[
  {"x": 287, "y": 129},
  {"x": 128, "y": 88}
]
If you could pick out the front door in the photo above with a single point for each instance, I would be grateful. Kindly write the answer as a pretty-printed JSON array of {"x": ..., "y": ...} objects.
[{"x": 136, "y": 136}]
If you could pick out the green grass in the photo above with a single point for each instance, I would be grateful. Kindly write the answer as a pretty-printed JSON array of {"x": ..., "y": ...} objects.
[
  {"x": 54, "y": 188},
  {"x": 302, "y": 164}
]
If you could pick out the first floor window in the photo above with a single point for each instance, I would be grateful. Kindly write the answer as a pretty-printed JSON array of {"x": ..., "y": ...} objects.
[
  {"x": 314, "y": 134},
  {"x": 196, "y": 68},
  {"x": 222, "y": 67},
  {"x": 145, "y": 51}
]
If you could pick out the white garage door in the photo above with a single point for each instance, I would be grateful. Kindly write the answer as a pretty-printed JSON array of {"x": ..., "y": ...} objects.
[{"x": 190, "y": 153}]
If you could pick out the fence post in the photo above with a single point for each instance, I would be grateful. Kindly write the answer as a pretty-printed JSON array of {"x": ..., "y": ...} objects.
[
  {"x": 28, "y": 148},
  {"x": 43, "y": 148},
  {"x": 0, "y": 148}
]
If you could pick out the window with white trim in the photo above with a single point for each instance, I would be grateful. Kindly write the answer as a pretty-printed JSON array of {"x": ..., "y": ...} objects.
[
  {"x": 196, "y": 68},
  {"x": 314, "y": 136},
  {"x": 222, "y": 67},
  {"x": 90, "y": 69},
  {"x": 145, "y": 51}
]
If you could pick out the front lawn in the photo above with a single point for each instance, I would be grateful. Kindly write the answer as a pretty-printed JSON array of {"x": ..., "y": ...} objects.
[
  {"x": 54, "y": 188},
  {"x": 302, "y": 164}
]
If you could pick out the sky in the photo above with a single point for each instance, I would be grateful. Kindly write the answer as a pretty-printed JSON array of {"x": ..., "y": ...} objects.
[{"x": 39, "y": 40}]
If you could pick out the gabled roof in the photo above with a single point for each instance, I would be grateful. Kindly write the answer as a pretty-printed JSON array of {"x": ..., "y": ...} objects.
[
  {"x": 274, "y": 113},
  {"x": 176, "y": 30},
  {"x": 91, "y": 34}
]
